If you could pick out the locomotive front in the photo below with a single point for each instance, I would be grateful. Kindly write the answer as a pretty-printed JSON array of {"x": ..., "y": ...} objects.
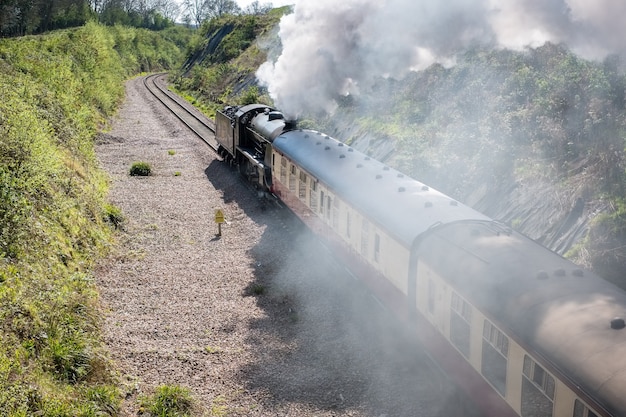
[{"x": 245, "y": 135}]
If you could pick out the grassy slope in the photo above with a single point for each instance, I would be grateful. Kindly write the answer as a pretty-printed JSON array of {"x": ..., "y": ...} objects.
[
  {"x": 57, "y": 91},
  {"x": 226, "y": 75}
]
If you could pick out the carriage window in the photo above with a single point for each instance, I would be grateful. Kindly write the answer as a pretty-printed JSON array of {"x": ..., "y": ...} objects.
[
  {"x": 364, "y": 237},
  {"x": 376, "y": 247},
  {"x": 313, "y": 195},
  {"x": 581, "y": 410},
  {"x": 348, "y": 224},
  {"x": 495, "y": 353},
  {"x": 302, "y": 188},
  {"x": 283, "y": 170},
  {"x": 336, "y": 205},
  {"x": 431, "y": 296},
  {"x": 292, "y": 178},
  {"x": 496, "y": 338},
  {"x": 537, "y": 390},
  {"x": 321, "y": 201},
  {"x": 460, "y": 324},
  {"x": 328, "y": 207}
]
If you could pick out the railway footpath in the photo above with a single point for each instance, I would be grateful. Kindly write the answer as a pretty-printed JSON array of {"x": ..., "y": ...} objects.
[{"x": 259, "y": 321}]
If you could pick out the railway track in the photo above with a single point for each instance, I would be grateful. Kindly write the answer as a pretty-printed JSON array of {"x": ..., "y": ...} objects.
[{"x": 201, "y": 125}]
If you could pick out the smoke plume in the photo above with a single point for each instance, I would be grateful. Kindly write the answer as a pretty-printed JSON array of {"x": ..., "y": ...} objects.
[{"x": 335, "y": 48}]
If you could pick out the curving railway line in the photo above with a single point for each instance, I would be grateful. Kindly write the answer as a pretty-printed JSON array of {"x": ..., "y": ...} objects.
[{"x": 201, "y": 125}]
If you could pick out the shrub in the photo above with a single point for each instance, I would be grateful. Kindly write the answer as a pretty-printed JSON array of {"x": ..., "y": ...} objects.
[
  {"x": 114, "y": 215},
  {"x": 258, "y": 289},
  {"x": 250, "y": 96},
  {"x": 105, "y": 398},
  {"x": 142, "y": 169},
  {"x": 167, "y": 401}
]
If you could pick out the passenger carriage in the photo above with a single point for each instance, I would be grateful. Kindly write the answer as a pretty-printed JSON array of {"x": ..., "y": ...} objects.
[{"x": 522, "y": 330}]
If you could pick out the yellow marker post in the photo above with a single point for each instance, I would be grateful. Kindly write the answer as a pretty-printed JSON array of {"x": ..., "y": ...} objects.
[{"x": 219, "y": 219}]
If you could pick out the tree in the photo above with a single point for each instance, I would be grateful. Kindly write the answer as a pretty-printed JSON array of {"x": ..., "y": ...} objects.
[
  {"x": 113, "y": 12},
  {"x": 58, "y": 14},
  {"x": 201, "y": 10},
  {"x": 151, "y": 14},
  {"x": 169, "y": 9},
  {"x": 22, "y": 17},
  {"x": 193, "y": 11},
  {"x": 256, "y": 8},
  {"x": 219, "y": 8}
]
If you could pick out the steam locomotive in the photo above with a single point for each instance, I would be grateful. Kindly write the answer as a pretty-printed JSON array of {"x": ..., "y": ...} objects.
[{"x": 522, "y": 330}]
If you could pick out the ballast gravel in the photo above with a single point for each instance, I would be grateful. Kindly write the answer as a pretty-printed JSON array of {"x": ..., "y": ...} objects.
[{"x": 260, "y": 321}]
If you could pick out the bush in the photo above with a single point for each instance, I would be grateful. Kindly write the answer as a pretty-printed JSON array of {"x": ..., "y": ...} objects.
[
  {"x": 141, "y": 169},
  {"x": 114, "y": 215},
  {"x": 167, "y": 401}
]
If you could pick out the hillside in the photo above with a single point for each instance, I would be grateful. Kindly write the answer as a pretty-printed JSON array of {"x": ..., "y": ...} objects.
[
  {"x": 58, "y": 90},
  {"x": 534, "y": 139}
]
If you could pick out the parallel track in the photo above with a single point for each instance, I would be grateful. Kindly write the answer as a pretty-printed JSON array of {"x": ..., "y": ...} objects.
[{"x": 202, "y": 126}]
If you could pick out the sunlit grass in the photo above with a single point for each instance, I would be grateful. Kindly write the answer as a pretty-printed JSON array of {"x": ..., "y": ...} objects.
[{"x": 57, "y": 91}]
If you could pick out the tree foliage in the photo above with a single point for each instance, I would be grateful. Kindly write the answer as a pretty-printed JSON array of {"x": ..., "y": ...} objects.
[
  {"x": 24, "y": 17},
  {"x": 21, "y": 17},
  {"x": 200, "y": 11}
]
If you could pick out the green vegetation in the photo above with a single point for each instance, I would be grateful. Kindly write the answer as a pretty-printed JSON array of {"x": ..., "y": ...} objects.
[
  {"x": 545, "y": 106},
  {"x": 57, "y": 91},
  {"x": 219, "y": 407},
  {"x": 28, "y": 17},
  {"x": 212, "y": 350},
  {"x": 114, "y": 215},
  {"x": 222, "y": 59},
  {"x": 141, "y": 169},
  {"x": 258, "y": 289},
  {"x": 167, "y": 401}
]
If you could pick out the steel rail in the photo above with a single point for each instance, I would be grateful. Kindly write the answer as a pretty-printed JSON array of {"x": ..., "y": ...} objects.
[{"x": 197, "y": 122}]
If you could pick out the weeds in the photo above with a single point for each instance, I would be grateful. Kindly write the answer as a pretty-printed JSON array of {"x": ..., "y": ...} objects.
[
  {"x": 167, "y": 401},
  {"x": 212, "y": 350},
  {"x": 258, "y": 289},
  {"x": 141, "y": 169},
  {"x": 114, "y": 215}
]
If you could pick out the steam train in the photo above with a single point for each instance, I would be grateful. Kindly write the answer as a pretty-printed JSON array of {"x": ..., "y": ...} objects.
[{"x": 522, "y": 330}]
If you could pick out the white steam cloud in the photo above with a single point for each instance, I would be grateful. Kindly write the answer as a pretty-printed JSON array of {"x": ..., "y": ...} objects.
[{"x": 335, "y": 48}]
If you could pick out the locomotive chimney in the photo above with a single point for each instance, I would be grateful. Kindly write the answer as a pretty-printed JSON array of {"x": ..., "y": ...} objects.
[{"x": 291, "y": 124}]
